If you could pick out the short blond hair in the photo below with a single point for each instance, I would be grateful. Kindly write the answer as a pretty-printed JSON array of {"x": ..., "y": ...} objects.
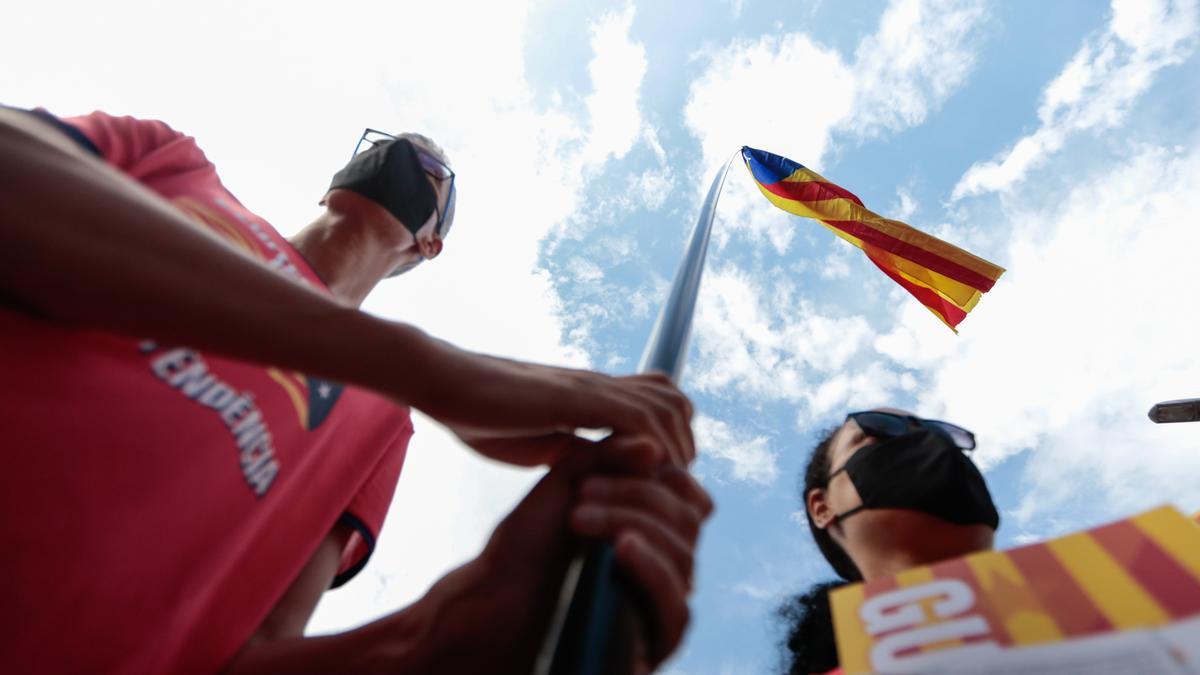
[{"x": 427, "y": 144}]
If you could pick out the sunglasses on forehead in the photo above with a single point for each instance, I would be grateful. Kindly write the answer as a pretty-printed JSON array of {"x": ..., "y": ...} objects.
[
  {"x": 432, "y": 166},
  {"x": 889, "y": 425}
]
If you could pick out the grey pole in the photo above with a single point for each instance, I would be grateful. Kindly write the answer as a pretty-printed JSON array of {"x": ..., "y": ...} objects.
[
  {"x": 597, "y": 627},
  {"x": 667, "y": 348},
  {"x": 1182, "y": 410}
]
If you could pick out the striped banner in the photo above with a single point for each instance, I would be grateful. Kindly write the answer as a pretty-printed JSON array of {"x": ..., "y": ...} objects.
[
  {"x": 946, "y": 279},
  {"x": 1142, "y": 572}
]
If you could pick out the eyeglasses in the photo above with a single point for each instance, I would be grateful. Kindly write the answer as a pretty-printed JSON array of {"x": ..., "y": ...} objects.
[
  {"x": 433, "y": 166},
  {"x": 889, "y": 425}
]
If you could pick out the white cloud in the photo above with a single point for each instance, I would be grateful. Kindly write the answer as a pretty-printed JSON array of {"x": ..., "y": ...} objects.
[
  {"x": 921, "y": 52},
  {"x": 905, "y": 205},
  {"x": 749, "y": 458},
  {"x": 760, "y": 340},
  {"x": 616, "y": 70},
  {"x": 1097, "y": 88},
  {"x": 871, "y": 386},
  {"x": 1093, "y": 323},
  {"x": 740, "y": 211},
  {"x": 781, "y": 92},
  {"x": 790, "y": 95},
  {"x": 586, "y": 271},
  {"x": 651, "y": 187},
  {"x": 837, "y": 264},
  {"x": 754, "y": 591}
]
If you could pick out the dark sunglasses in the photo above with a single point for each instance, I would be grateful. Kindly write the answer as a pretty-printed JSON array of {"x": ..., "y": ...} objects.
[
  {"x": 433, "y": 166},
  {"x": 890, "y": 425}
]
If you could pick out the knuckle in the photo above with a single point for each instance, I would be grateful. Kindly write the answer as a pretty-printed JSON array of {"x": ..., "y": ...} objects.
[
  {"x": 692, "y": 520},
  {"x": 681, "y": 400},
  {"x": 659, "y": 376},
  {"x": 665, "y": 411},
  {"x": 684, "y": 617},
  {"x": 648, "y": 418},
  {"x": 658, "y": 496}
]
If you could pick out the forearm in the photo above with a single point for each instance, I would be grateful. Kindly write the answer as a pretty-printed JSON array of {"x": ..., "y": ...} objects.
[
  {"x": 82, "y": 245},
  {"x": 426, "y": 637}
]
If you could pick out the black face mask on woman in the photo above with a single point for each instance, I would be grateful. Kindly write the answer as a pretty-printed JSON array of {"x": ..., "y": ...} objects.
[{"x": 922, "y": 470}]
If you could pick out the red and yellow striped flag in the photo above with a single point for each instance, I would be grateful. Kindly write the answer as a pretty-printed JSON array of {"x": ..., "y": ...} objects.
[{"x": 944, "y": 278}]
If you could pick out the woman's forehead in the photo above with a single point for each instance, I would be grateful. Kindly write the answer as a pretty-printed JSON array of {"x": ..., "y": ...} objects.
[
  {"x": 895, "y": 411},
  {"x": 883, "y": 409},
  {"x": 842, "y": 445}
]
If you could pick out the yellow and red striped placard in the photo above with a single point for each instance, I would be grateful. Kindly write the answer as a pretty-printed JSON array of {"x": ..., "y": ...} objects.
[
  {"x": 1140, "y": 572},
  {"x": 946, "y": 279}
]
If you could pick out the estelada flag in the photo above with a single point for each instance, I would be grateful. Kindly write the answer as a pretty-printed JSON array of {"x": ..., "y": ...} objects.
[{"x": 944, "y": 278}]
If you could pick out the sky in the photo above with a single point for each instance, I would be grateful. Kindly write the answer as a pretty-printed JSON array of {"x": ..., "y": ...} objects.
[{"x": 1059, "y": 140}]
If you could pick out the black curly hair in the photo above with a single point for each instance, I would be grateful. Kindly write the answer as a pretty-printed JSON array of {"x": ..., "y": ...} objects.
[
  {"x": 816, "y": 475},
  {"x": 809, "y": 643}
]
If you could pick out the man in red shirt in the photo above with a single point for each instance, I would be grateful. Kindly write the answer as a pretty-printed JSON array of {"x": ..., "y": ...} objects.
[{"x": 204, "y": 433}]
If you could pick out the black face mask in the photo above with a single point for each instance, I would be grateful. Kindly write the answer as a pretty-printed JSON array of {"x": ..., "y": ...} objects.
[
  {"x": 922, "y": 470},
  {"x": 390, "y": 174}
]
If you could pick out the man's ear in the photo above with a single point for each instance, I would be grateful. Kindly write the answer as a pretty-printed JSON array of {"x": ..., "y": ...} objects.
[
  {"x": 819, "y": 510},
  {"x": 430, "y": 246}
]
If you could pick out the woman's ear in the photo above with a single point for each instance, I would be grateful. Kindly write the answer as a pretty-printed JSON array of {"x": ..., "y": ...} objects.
[{"x": 819, "y": 510}]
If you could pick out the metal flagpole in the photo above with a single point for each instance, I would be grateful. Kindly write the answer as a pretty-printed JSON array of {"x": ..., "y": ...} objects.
[{"x": 597, "y": 627}]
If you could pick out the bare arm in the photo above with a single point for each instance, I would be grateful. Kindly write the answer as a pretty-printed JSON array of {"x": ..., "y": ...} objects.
[
  {"x": 279, "y": 645},
  {"x": 404, "y": 642},
  {"x": 490, "y": 615},
  {"x": 83, "y": 245},
  {"x": 293, "y": 611}
]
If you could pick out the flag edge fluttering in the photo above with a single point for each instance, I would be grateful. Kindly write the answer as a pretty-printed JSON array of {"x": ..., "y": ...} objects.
[{"x": 946, "y": 279}]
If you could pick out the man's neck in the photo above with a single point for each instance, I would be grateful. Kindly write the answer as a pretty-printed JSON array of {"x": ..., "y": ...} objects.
[{"x": 347, "y": 257}]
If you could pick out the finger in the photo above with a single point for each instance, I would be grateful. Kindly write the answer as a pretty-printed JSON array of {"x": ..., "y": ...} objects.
[
  {"x": 675, "y": 411},
  {"x": 622, "y": 406},
  {"x": 527, "y": 451},
  {"x": 631, "y": 454},
  {"x": 688, "y": 488},
  {"x": 635, "y": 404},
  {"x": 649, "y": 496},
  {"x": 608, "y": 522},
  {"x": 661, "y": 420},
  {"x": 662, "y": 586},
  {"x": 663, "y": 380},
  {"x": 620, "y": 454}
]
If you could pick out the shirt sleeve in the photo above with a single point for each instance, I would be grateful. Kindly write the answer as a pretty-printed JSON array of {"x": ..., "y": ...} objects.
[
  {"x": 142, "y": 149},
  {"x": 71, "y": 132},
  {"x": 368, "y": 508}
]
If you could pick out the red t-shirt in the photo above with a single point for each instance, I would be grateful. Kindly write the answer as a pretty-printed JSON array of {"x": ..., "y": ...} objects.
[{"x": 156, "y": 502}]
